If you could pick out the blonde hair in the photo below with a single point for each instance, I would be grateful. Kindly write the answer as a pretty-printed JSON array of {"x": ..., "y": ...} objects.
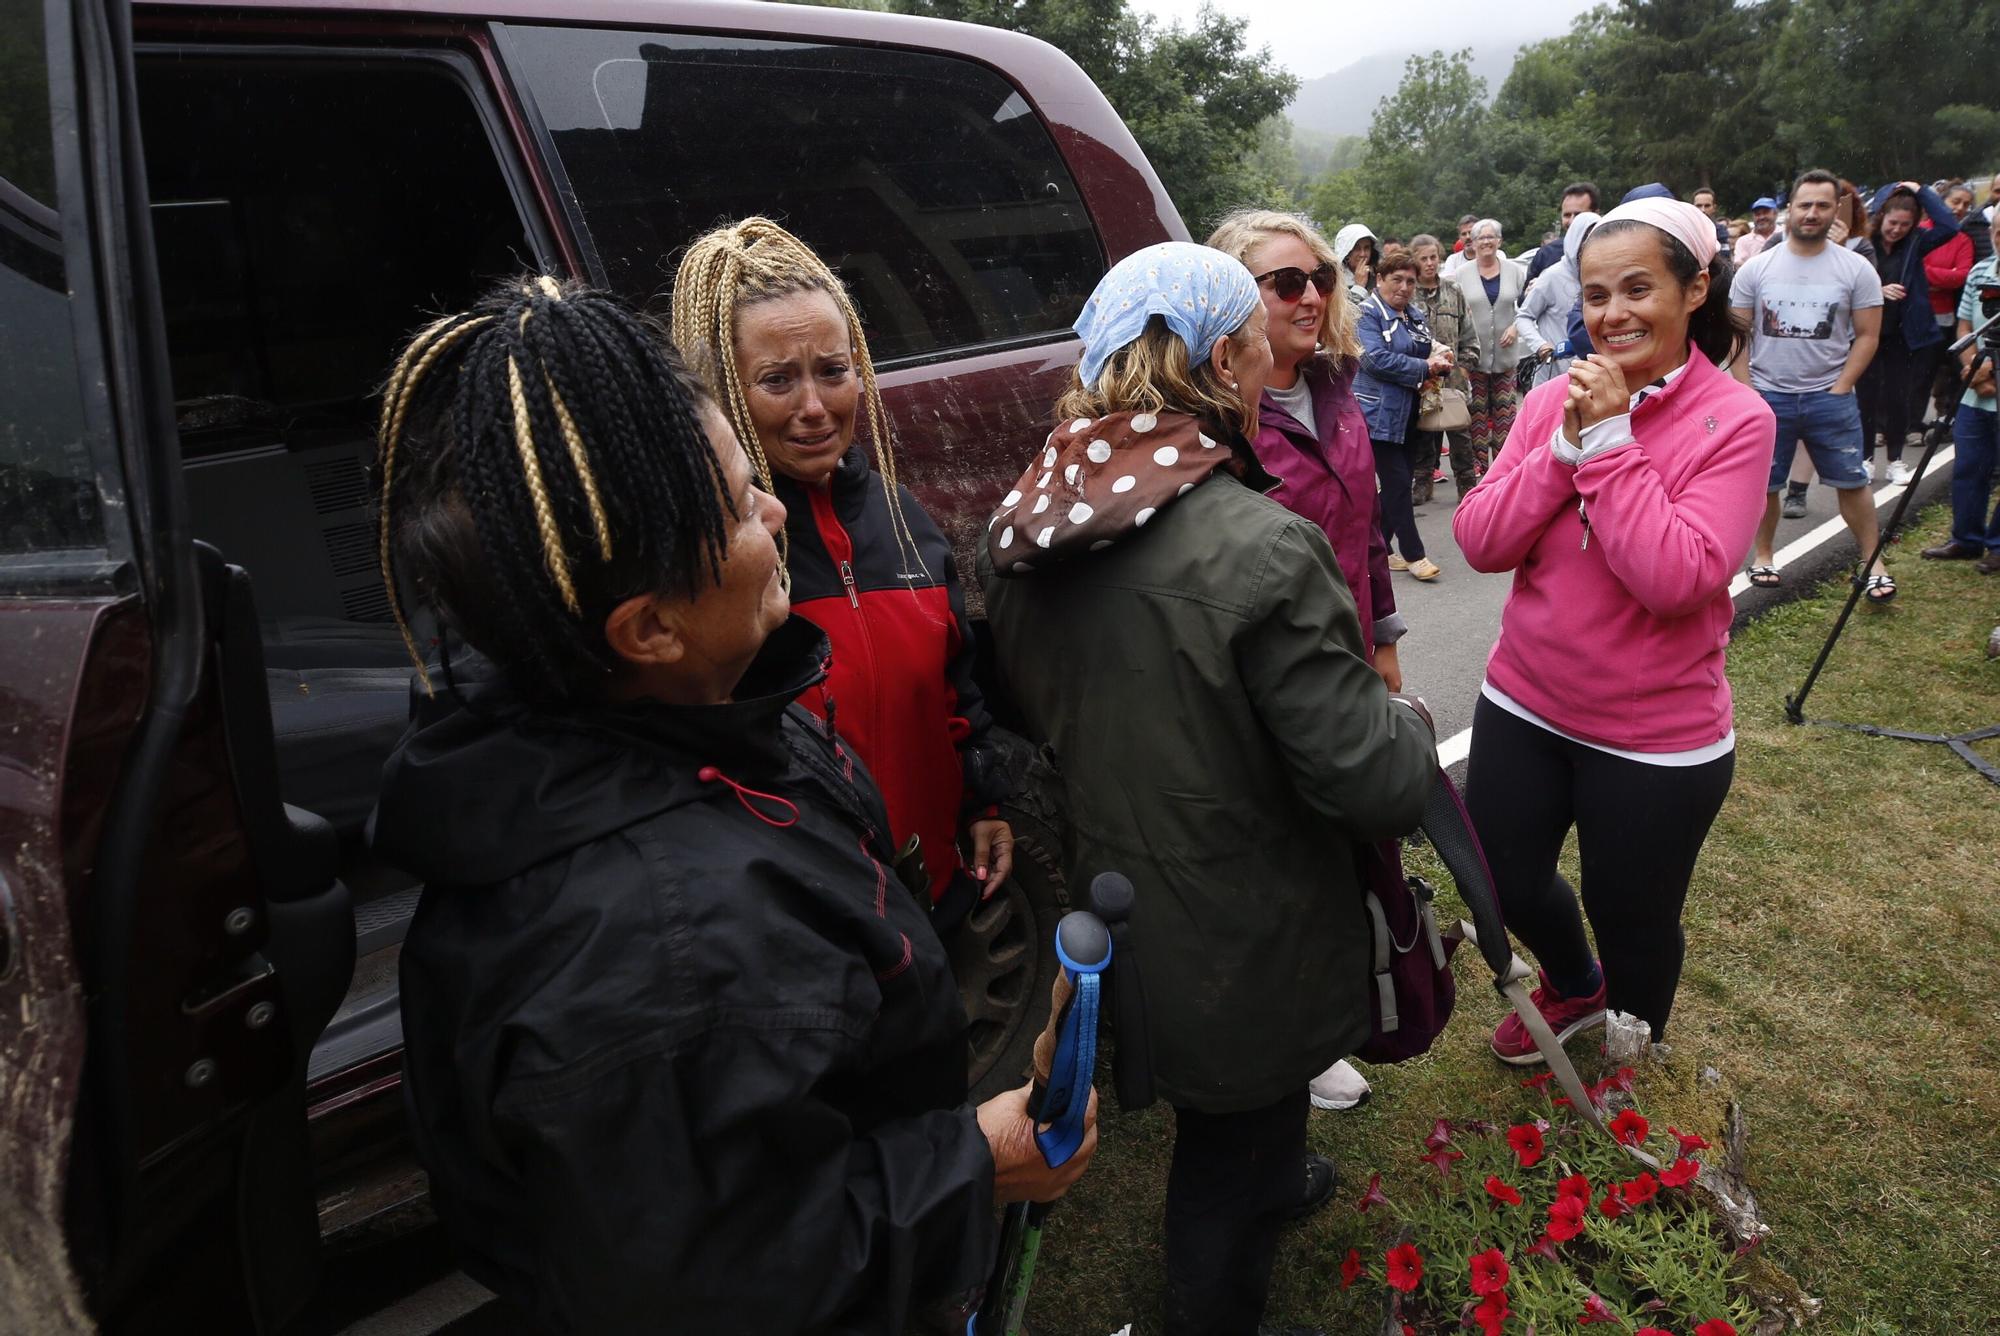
[
  {"x": 1152, "y": 374},
  {"x": 1242, "y": 230},
  {"x": 741, "y": 264}
]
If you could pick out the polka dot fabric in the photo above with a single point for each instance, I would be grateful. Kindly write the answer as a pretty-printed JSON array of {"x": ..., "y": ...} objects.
[{"x": 1095, "y": 483}]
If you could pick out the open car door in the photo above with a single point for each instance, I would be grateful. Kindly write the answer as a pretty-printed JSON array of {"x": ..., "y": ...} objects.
[{"x": 172, "y": 938}]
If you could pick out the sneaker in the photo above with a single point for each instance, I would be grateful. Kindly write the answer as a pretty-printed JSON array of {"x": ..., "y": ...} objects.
[
  {"x": 1396, "y": 563},
  {"x": 1339, "y": 1087},
  {"x": 1425, "y": 569},
  {"x": 1794, "y": 504},
  {"x": 1321, "y": 1180},
  {"x": 1566, "y": 1017},
  {"x": 1900, "y": 473}
]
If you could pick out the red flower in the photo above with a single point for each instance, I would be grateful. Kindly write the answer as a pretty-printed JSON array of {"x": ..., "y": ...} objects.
[
  {"x": 1715, "y": 1326},
  {"x": 1372, "y": 1197},
  {"x": 1618, "y": 1080},
  {"x": 1689, "y": 1140},
  {"x": 1409, "y": 1330},
  {"x": 1489, "y": 1271},
  {"x": 1350, "y": 1268},
  {"x": 1544, "y": 1247},
  {"x": 1440, "y": 1135},
  {"x": 1613, "y": 1204},
  {"x": 1682, "y": 1173},
  {"x": 1492, "y": 1311},
  {"x": 1641, "y": 1189},
  {"x": 1566, "y": 1219},
  {"x": 1406, "y": 1267},
  {"x": 1594, "y": 1311},
  {"x": 1651, "y": 1331},
  {"x": 1441, "y": 1159},
  {"x": 1576, "y": 1185},
  {"x": 1537, "y": 1082},
  {"x": 1501, "y": 1192},
  {"x": 1629, "y": 1128},
  {"x": 1526, "y": 1141}
]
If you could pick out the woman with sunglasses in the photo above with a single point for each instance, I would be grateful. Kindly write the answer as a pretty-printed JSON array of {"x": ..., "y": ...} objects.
[{"x": 1311, "y": 436}]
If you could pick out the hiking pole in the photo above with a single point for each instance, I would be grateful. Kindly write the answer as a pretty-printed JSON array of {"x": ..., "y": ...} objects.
[
  {"x": 1795, "y": 705},
  {"x": 1065, "y": 1060}
]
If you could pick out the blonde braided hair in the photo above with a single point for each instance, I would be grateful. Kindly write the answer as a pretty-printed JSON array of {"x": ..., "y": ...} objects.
[{"x": 755, "y": 260}]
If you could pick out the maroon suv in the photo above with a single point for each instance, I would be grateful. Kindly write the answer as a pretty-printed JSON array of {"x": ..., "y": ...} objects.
[{"x": 217, "y": 224}]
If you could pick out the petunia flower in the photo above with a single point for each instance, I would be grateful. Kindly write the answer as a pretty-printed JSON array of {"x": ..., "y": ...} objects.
[
  {"x": 1537, "y": 1082},
  {"x": 1576, "y": 1185},
  {"x": 1501, "y": 1192},
  {"x": 1594, "y": 1310},
  {"x": 1681, "y": 1174},
  {"x": 1351, "y": 1269},
  {"x": 1526, "y": 1142},
  {"x": 1566, "y": 1218},
  {"x": 1689, "y": 1140},
  {"x": 1641, "y": 1190},
  {"x": 1613, "y": 1204},
  {"x": 1544, "y": 1248},
  {"x": 1492, "y": 1311},
  {"x": 1620, "y": 1080},
  {"x": 1441, "y": 1159},
  {"x": 1651, "y": 1331},
  {"x": 1489, "y": 1271},
  {"x": 1372, "y": 1197},
  {"x": 1406, "y": 1267},
  {"x": 1440, "y": 1135},
  {"x": 1715, "y": 1326},
  {"x": 1629, "y": 1128}
]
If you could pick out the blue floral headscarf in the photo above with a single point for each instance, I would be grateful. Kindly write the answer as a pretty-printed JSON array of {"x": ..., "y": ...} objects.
[{"x": 1200, "y": 292}]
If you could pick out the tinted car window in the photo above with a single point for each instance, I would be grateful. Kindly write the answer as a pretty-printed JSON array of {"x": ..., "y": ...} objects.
[
  {"x": 926, "y": 181},
  {"x": 51, "y": 505}
]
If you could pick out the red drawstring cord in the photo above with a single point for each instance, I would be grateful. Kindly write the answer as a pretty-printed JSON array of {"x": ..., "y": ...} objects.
[{"x": 708, "y": 774}]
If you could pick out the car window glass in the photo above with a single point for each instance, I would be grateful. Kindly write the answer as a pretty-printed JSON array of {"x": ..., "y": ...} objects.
[
  {"x": 52, "y": 497},
  {"x": 927, "y": 181}
]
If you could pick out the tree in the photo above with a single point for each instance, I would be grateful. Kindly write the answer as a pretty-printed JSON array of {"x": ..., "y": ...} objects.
[{"x": 1193, "y": 97}]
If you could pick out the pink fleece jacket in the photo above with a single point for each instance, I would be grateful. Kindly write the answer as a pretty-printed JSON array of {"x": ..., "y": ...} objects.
[{"x": 1620, "y": 641}]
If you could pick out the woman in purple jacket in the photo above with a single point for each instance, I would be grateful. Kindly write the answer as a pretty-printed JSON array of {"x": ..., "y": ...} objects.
[{"x": 1313, "y": 439}]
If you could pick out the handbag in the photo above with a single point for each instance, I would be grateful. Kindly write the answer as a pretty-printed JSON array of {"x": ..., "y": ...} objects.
[
  {"x": 1411, "y": 991},
  {"x": 1453, "y": 412}
]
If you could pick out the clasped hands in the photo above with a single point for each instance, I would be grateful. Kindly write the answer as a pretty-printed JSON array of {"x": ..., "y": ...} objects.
[{"x": 1596, "y": 391}]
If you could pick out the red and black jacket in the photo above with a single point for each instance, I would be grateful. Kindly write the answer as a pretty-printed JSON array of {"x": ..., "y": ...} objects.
[{"x": 899, "y": 688}]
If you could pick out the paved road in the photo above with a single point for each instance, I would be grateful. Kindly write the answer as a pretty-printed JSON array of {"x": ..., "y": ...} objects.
[{"x": 1453, "y": 622}]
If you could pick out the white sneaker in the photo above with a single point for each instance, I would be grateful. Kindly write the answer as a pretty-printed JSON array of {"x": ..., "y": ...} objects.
[
  {"x": 1339, "y": 1087},
  {"x": 1900, "y": 474}
]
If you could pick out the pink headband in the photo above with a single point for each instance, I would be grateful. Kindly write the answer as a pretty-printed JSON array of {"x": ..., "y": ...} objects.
[{"x": 1683, "y": 222}]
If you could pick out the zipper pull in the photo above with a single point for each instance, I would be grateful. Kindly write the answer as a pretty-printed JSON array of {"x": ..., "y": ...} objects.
[
  {"x": 1583, "y": 515},
  {"x": 847, "y": 579}
]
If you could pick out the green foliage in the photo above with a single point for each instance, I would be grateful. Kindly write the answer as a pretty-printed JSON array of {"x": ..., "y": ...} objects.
[{"x": 1197, "y": 101}]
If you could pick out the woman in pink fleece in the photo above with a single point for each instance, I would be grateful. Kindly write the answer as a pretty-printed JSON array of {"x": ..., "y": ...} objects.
[{"x": 1624, "y": 502}]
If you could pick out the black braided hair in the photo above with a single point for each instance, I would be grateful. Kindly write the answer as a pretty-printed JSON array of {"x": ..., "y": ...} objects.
[{"x": 542, "y": 458}]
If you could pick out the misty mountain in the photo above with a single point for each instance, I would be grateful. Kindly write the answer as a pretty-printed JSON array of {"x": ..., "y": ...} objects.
[{"x": 1342, "y": 103}]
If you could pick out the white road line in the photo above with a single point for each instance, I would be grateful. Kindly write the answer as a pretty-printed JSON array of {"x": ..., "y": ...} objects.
[{"x": 1454, "y": 748}]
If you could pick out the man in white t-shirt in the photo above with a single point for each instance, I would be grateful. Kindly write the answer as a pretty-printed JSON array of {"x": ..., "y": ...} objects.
[{"x": 1813, "y": 314}]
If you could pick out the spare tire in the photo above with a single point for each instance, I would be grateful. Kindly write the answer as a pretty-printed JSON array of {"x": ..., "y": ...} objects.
[{"x": 1003, "y": 954}]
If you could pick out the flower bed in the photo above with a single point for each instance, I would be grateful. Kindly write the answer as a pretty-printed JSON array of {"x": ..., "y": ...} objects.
[{"x": 1546, "y": 1226}]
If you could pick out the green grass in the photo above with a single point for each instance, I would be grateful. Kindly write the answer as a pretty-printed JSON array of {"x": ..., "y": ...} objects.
[{"x": 1843, "y": 979}]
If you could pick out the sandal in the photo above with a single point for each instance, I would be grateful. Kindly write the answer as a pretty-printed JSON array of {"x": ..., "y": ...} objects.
[
  {"x": 1764, "y": 577},
  {"x": 1879, "y": 588}
]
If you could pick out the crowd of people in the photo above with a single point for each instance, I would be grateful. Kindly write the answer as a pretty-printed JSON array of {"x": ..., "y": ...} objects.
[
  {"x": 701, "y": 782},
  {"x": 1922, "y": 244}
]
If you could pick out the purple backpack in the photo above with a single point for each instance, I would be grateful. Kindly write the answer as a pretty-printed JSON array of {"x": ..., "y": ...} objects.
[{"x": 1411, "y": 990}]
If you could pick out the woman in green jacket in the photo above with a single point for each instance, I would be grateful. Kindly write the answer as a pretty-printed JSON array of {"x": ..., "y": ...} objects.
[{"x": 1191, "y": 654}]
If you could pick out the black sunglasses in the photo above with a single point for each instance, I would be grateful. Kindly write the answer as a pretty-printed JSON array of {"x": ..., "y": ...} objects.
[{"x": 1290, "y": 282}]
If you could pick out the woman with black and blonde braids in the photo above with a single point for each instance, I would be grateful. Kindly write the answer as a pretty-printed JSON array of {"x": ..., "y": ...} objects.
[
  {"x": 789, "y": 362},
  {"x": 675, "y": 1054}
]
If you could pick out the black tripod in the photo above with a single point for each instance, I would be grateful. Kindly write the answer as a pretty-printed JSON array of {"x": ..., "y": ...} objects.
[{"x": 1940, "y": 431}]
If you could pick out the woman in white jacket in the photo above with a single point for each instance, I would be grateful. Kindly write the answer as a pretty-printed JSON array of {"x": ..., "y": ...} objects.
[{"x": 1543, "y": 319}]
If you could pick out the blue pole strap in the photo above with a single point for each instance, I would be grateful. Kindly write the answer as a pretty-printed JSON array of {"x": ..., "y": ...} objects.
[{"x": 1070, "y": 1073}]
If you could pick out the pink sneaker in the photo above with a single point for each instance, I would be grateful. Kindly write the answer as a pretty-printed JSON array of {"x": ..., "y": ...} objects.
[{"x": 1566, "y": 1017}]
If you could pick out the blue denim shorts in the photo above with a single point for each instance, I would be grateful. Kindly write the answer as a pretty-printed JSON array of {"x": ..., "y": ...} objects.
[{"x": 1830, "y": 426}]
